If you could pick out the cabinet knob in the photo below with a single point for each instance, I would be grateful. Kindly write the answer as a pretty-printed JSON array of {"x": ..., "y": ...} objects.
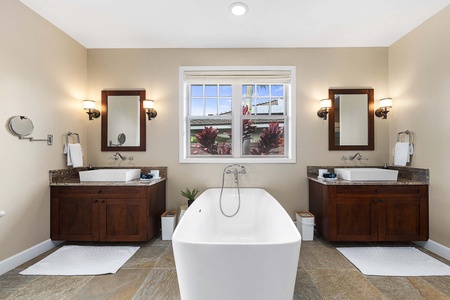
[
  {"x": 381, "y": 200},
  {"x": 103, "y": 201},
  {"x": 95, "y": 201},
  {"x": 99, "y": 192}
]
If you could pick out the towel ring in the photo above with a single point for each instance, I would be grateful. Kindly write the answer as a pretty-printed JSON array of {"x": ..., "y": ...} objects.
[
  {"x": 408, "y": 133},
  {"x": 70, "y": 134}
]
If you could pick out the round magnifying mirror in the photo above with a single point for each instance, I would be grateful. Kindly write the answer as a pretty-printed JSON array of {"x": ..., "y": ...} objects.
[
  {"x": 121, "y": 138},
  {"x": 20, "y": 125}
]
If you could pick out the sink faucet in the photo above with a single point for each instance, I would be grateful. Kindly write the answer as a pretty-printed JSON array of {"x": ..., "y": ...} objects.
[
  {"x": 358, "y": 156},
  {"x": 118, "y": 155}
]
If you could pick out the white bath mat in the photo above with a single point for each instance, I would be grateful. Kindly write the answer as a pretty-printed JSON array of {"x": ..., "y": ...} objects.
[
  {"x": 394, "y": 261},
  {"x": 82, "y": 260}
]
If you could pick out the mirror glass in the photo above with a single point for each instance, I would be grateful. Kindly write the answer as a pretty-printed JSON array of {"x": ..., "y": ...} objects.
[
  {"x": 20, "y": 125},
  {"x": 351, "y": 121},
  {"x": 123, "y": 120}
]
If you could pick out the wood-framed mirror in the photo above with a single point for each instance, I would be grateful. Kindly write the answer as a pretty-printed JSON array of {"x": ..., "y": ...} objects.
[
  {"x": 351, "y": 119},
  {"x": 123, "y": 120}
]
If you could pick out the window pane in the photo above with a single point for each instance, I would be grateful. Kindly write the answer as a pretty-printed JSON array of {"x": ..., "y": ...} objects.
[
  {"x": 210, "y": 137},
  {"x": 225, "y": 106},
  {"x": 197, "y": 107},
  {"x": 263, "y": 137},
  {"x": 263, "y": 90},
  {"x": 262, "y": 106},
  {"x": 211, "y": 107},
  {"x": 277, "y": 106},
  {"x": 277, "y": 90},
  {"x": 197, "y": 90},
  {"x": 225, "y": 90},
  {"x": 211, "y": 90}
]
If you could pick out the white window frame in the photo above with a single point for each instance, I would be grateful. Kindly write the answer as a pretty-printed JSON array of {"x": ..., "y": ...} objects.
[{"x": 184, "y": 134}]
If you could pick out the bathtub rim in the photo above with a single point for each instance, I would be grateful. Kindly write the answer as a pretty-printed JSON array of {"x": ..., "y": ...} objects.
[{"x": 295, "y": 240}]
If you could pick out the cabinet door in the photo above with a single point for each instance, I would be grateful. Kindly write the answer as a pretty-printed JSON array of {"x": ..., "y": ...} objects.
[
  {"x": 356, "y": 219},
  {"x": 399, "y": 219},
  {"x": 76, "y": 219},
  {"x": 123, "y": 219}
]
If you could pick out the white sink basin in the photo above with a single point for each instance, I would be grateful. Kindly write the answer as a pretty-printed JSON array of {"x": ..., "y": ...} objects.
[
  {"x": 366, "y": 174},
  {"x": 110, "y": 175}
]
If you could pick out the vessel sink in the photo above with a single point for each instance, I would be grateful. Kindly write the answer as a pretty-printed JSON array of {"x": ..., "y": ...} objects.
[
  {"x": 366, "y": 174},
  {"x": 110, "y": 175}
]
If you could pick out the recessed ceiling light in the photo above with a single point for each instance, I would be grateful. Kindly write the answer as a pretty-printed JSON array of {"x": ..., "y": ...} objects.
[{"x": 238, "y": 8}]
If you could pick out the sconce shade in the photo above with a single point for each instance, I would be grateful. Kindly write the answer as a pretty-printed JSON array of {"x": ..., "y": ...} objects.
[
  {"x": 325, "y": 103},
  {"x": 88, "y": 104},
  {"x": 149, "y": 104},
  {"x": 386, "y": 102},
  {"x": 382, "y": 112}
]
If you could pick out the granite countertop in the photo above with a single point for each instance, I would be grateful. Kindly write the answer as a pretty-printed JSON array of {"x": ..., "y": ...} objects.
[
  {"x": 399, "y": 181},
  {"x": 70, "y": 177},
  {"x": 406, "y": 176},
  {"x": 136, "y": 182}
]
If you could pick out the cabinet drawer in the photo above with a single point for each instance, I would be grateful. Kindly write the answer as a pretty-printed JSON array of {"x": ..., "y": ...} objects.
[
  {"x": 101, "y": 190},
  {"x": 379, "y": 189}
]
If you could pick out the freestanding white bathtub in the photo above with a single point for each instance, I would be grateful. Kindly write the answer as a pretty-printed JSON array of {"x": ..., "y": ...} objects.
[{"x": 253, "y": 255}]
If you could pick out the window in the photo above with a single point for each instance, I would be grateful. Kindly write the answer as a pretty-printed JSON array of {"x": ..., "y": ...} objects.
[{"x": 237, "y": 114}]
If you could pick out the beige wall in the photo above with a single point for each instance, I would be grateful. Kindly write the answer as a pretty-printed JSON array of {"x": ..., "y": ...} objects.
[
  {"x": 43, "y": 76},
  {"x": 156, "y": 70},
  {"x": 419, "y": 82}
]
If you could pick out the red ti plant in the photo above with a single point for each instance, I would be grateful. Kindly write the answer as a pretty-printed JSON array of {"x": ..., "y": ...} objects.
[
  {"x": 224, "y": 149},
  {"x": 207, "y": 141},
  {"x": 271, "y": 138}
]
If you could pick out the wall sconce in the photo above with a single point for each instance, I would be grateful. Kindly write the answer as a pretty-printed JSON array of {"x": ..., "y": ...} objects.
[
  {"x": 149, "y": 106},
  {"x": 90, "y": 106},
  {"x": 385, "y": 103},
  {"x": 325, "y": 104}
]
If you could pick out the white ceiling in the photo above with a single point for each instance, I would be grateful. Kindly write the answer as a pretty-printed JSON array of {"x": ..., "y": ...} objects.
[{"x": 209, "y": 24}]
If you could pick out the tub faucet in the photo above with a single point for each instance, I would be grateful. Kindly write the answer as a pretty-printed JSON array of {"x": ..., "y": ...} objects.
[
  {"x": 237, "y": 169},
  {"x": 236, "y": 174}
]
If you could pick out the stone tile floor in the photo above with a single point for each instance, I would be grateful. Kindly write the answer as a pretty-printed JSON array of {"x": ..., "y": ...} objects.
[{"x": 323, "y": 273}]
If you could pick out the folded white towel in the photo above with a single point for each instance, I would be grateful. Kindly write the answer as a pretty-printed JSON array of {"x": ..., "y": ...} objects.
[
  {"x": 74, "y": 155},
  {"x": 403, "y": 151}
]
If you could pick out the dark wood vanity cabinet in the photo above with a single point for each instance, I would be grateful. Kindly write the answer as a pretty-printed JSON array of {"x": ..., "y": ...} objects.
[
  {"x": 107, "y": 213},
  {"x": 370, "y": 212}
]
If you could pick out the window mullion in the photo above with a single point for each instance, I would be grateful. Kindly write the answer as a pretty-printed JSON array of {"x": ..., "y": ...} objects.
[{"x": 236, "y": 114}]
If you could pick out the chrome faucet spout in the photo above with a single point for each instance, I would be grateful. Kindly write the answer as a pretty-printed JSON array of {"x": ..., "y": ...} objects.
[
  {"x": 358, "y": 155},
  {"x": 236, "y": 174}
]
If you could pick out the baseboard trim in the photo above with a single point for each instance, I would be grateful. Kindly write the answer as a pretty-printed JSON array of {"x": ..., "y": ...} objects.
[
  {"x": 24, "y": 256},
  {"x": 437, "y": 248}
]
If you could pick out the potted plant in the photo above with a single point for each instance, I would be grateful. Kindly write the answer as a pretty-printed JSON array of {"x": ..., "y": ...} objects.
[{"x": 190, "y": 195}]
